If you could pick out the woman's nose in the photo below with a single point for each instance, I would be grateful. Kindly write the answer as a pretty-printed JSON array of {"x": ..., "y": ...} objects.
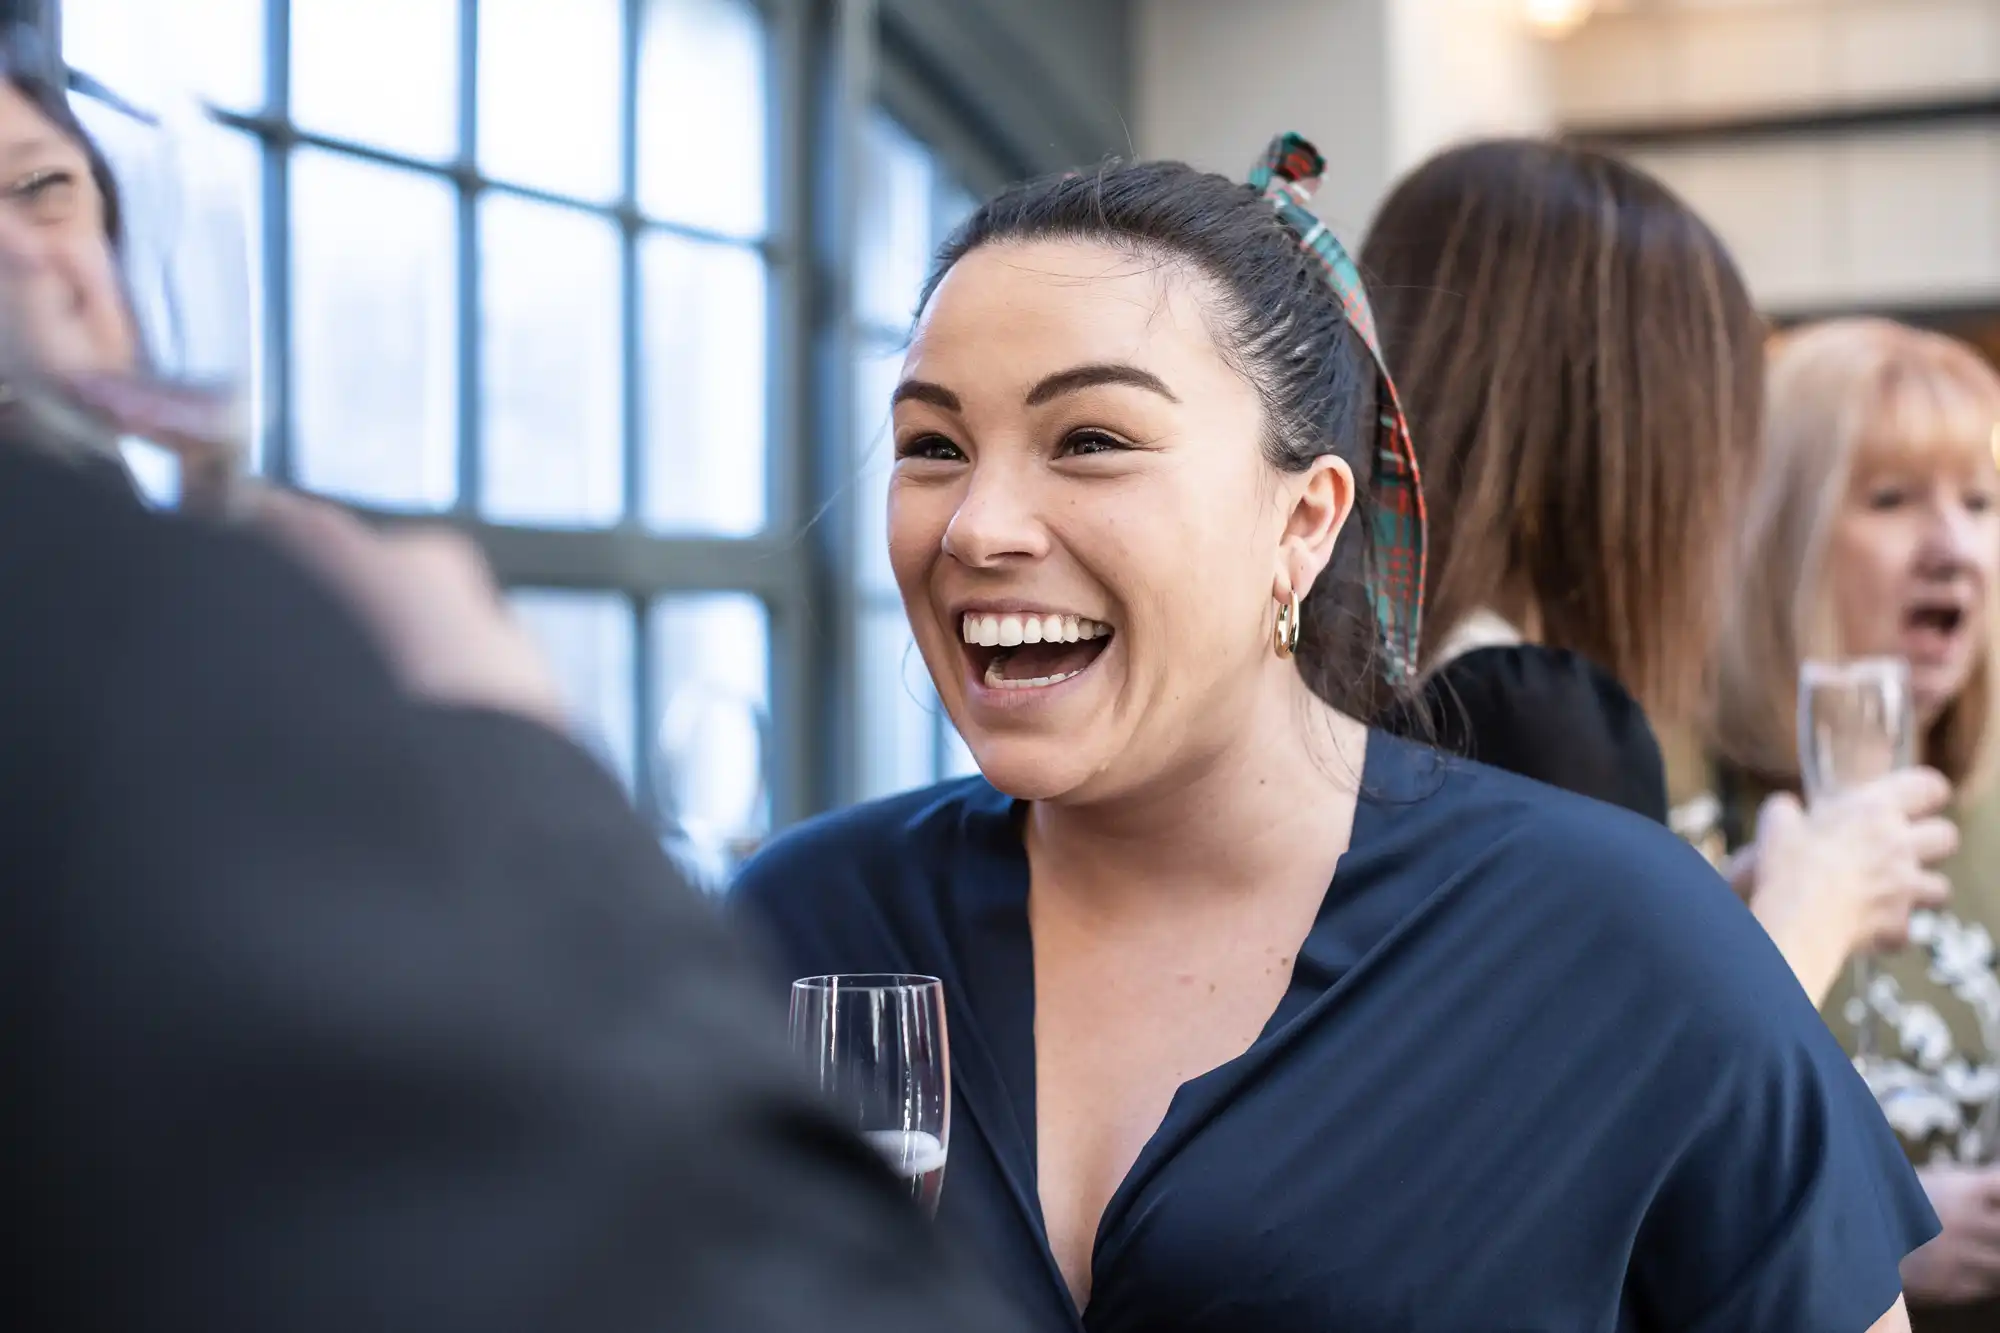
[
  {"x": 1957, "y": 538},
  {"x": 997, "y": 521}
]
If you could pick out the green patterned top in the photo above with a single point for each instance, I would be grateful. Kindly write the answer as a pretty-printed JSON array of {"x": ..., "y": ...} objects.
[{"x": 1933, "y": 1007}]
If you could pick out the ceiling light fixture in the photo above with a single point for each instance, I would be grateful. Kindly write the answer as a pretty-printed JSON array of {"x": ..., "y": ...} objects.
[{"x": 1556, "y": 18}]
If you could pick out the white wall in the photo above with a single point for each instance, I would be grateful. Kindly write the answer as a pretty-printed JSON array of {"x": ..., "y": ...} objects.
[
  {"x": 1377, "y": 84},
  {"x": 1664, "y": 61},
  {"x": 1891, "y": 219},
  {"x": 1216, "y": 79},
  {"x": 1876, "y": 218},
  {"x": 1906, "y": 217},
  {"x": 1462, "y": 69}
]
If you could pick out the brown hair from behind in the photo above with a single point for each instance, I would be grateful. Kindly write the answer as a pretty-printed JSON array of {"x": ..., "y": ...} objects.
[
  {"x": 1582, "y": 369},
  {"x": 1838, "y": 388}
]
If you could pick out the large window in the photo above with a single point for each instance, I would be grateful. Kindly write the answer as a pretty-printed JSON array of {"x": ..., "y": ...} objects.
[
  {"x": 517, "y": 270},
  {"x": 546, "y": 269}
]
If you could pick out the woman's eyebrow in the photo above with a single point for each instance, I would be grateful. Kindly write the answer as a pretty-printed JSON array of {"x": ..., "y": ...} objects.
[
  {"x": 1074, "y": 380},
  {"x": 923, "y": 391},
  {"x": 1078, "y": 378}
]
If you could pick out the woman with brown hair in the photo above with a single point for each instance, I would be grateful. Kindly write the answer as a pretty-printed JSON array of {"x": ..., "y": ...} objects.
[
  {"x": 1871, "y": 530},
  {"x": 1581, "y": 364},
  {"x": 1583, "y": 373}
]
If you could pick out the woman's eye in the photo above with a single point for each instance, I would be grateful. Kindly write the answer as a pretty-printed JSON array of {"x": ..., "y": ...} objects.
[
  {"x": 1979, "y": 502},
  {"x": 932, "y": 448},
  {"x": 1084, "y": 442},
  {"x": 43, "y": 194},
  {"x": 1886, "y": 497}
]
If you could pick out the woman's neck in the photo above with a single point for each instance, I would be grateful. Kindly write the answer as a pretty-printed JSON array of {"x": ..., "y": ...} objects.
[
  {"x": 1519, "y": 608},
  {"x": 1270, "y": 797}
]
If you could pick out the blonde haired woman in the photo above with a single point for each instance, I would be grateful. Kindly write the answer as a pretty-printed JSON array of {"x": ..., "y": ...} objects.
[{"x": 1871, "y": 530}]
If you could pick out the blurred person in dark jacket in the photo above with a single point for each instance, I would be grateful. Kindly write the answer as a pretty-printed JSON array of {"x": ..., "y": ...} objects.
[{"x": 342, "y": 992}]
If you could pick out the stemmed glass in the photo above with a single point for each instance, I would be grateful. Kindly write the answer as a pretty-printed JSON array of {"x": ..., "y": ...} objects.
[
  {"x": 708, "y": 779},
  {"x": 879, "y": 1047},
  {"x": 1856, "y": 724}
]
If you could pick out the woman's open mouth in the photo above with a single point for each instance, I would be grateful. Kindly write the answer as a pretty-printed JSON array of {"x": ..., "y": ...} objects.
[
  {"x": 1031, "y": 650},
  {"x": 1930, "y": 628}
]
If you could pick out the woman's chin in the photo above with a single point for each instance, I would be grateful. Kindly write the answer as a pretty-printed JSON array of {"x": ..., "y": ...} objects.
[
  {"x": 1934, "y": 686},
  {"x": 1031, "y": 768}
]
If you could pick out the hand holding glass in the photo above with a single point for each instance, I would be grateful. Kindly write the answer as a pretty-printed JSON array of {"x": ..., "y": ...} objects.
[
  {"x": 879, "y": 1047},
  {"x": 1856, "y": 724}
]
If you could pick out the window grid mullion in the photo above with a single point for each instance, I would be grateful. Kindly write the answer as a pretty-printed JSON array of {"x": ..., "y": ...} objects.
[
  {"x": 811, "y": 702},
  {"x": 631, "y": 317},
  {"x": 275, "y": 171},
  {"x": 646, "y": 705},
  {"x": 632, "y": 420},
  {"x": 940, "y": 746},
  {"x": 470, "y": 335}
]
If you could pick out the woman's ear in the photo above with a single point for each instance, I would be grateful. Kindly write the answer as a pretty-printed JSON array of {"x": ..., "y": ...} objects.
[{"x": 1322, "y": 499}]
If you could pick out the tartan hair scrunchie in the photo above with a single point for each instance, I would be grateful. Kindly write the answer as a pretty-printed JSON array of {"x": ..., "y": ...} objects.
[{"x": 1287, "y": 176}]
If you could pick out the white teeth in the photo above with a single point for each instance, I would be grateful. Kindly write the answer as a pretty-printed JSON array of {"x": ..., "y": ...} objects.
[
  {"x": 995, "y": 680},
  {"x": 1013, "y": 631}
]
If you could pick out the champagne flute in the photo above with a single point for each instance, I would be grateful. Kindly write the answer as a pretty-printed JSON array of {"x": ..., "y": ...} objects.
[
  {"x": 708, "y": 779},
  {"x": 1856, "y": 723},
  {"x": 878, "y": 1045}
]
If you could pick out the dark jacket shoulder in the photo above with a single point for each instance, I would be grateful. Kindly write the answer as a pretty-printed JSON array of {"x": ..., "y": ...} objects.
[{"x": 1547, "y": 714}]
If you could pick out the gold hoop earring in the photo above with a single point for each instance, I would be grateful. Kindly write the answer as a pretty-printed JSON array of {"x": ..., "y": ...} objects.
[{"x": 1286, "y": 636}]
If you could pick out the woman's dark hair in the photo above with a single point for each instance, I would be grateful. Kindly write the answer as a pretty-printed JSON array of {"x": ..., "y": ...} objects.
[
  {"x": 1276, "y": 320},
  {"x": 33, "y": 72},
  {"x": 1583, "y": 373}
]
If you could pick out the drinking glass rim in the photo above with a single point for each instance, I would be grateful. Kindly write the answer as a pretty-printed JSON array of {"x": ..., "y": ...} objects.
[
  {"x": 1816, "y": 669},
  {"x": 835, "y": 982}
]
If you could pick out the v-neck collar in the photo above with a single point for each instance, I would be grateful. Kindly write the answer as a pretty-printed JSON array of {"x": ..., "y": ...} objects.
[{"x": 996, "y": 1065}]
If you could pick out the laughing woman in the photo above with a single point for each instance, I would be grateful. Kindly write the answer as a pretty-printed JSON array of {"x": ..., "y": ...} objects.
[
  {"x": 1873, "y": 530},
  {"x": 1262, "y": 1019}
]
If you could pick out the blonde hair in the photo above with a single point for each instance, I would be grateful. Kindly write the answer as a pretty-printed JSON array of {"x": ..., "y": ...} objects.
[{"x": 1836, "y": 390}]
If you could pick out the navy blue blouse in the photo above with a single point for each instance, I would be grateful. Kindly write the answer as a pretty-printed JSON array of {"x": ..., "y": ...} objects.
[{"x": 1537, "y": 1069}]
